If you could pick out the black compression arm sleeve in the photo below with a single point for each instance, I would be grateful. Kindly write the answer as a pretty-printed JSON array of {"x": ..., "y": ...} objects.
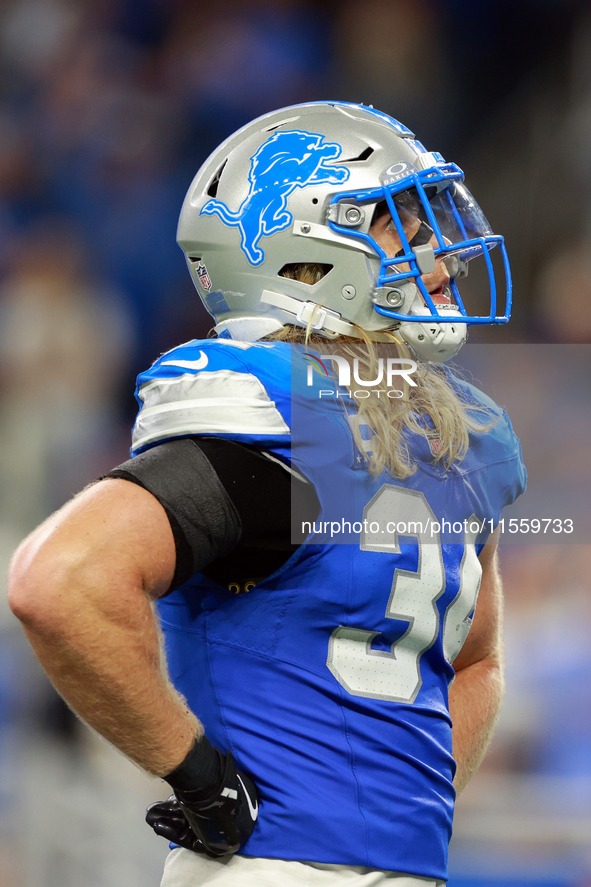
[{"x": 204, "y": 521}]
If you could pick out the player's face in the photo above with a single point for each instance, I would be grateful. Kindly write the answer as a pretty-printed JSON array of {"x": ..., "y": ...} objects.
[{"x": 384, "y": 232}]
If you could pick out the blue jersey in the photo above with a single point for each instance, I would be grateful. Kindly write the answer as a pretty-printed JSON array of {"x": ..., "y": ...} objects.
[{"x": 329, "y": 680}]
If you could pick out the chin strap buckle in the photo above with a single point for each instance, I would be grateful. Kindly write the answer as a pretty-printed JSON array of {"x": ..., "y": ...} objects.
[
  {"x": 311, "y": 313},
  {"x": 322, "y": 318}
]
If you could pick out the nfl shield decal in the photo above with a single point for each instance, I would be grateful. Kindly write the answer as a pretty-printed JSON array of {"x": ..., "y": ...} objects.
[{"x": 204, "y": 278}]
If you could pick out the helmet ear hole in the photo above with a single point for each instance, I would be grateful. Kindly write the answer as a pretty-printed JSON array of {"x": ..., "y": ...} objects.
[{"x": 305, "y": 272}]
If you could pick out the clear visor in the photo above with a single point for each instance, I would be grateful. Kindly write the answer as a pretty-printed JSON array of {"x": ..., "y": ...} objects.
[
  {"x": 460, "y": 219},
  {"x": 451, "y": 221},
  {"x": 459, "y": 216}
]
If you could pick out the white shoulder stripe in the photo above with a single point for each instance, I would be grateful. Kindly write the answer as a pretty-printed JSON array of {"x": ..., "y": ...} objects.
[{"x": 222, "y": 402}]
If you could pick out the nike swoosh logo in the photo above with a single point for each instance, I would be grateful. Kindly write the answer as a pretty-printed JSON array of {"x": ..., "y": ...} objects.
[
  {"x": 254, "y": 809},
  {"x": 188, "y": 364}
]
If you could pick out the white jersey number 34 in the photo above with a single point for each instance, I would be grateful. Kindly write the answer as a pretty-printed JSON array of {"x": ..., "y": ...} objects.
[{"x": 395, "y": 674}]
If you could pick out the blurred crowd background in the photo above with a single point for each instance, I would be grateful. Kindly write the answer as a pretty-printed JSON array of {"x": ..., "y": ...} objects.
[{"x": 107, "y": 108}]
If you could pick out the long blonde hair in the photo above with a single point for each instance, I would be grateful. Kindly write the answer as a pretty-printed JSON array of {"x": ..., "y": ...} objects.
[{"x": 433, "y": 398}]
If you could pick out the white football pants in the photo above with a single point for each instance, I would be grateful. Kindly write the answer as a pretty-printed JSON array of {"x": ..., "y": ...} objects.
[{"x": 184, "y": 868}]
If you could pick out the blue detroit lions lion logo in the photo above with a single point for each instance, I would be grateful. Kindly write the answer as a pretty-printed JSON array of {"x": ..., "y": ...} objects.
[{"x": 286, "y": 161}]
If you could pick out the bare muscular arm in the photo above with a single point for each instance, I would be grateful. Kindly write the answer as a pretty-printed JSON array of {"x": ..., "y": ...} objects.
[
  {"x": 82, "y": 585},
  {"x": 476, "y": 694}
]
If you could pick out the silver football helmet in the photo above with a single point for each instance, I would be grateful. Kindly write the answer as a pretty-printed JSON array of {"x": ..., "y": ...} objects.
[{"x": 305, "y": 184}]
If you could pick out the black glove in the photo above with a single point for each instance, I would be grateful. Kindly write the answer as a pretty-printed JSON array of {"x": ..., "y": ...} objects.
[
  {"x": 168, "y": 820},
  {"x": 215, "y": 823}
]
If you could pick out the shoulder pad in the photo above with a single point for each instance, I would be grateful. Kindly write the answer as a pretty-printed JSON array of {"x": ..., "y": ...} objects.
[{"x": 238, "y": 390}]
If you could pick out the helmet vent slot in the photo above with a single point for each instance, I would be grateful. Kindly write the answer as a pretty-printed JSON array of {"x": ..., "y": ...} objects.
[
  {"x": 213, "y": 188},
  {"x": 275, "y": 126},
  {"x": 365, "y": 155}
]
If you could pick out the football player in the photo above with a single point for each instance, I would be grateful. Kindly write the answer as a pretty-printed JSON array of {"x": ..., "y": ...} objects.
[{"x": 316, "y": 702}]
